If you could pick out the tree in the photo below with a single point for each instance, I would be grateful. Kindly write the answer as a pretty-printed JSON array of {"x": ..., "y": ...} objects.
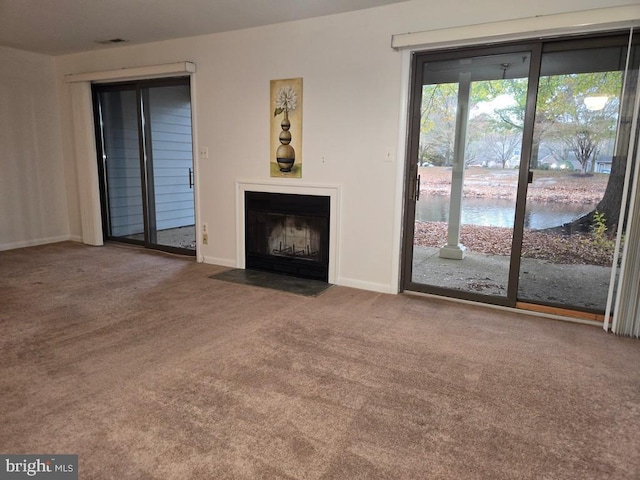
[
  {"x": 506, "y": 121},
  {"x": 587, "y": 131},
  {"x": 612, "y": 199},
  {"x": 573, "y": 121},
  {"x": 564, "y": 124},
  {"x": 501, "y": 145},
  {"x": 438, "y": 123}
]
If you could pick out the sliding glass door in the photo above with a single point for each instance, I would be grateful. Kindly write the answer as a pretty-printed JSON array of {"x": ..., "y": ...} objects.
[
  {"x": 516, "y": 171},
  {"x": 467, "y": 141},
  {"x": 578, "y": 167},
  {"x": 143, "y": 134}
]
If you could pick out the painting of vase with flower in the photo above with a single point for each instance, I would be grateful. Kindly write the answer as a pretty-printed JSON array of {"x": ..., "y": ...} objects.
[{"x": 286, "y": 128}]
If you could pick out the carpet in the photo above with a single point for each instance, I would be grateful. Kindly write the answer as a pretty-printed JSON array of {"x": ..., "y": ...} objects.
[{"x": 146, "y": 368}]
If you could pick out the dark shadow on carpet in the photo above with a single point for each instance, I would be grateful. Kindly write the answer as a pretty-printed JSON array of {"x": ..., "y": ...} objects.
[{"x": 275, "y": 281}]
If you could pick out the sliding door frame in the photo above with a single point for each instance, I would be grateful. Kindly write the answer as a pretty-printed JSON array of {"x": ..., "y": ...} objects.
[
  {"x": 145, "y": 153},
  {"x": 537, "y": 47},
  {"x": 411, "y": 176}
]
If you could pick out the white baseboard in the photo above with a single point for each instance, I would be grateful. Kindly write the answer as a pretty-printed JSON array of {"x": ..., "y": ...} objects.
[
  {"x": 363, "y": 285},
  {"x": 39, "y": 241},
  {"x": 223, "y": 262},
  {"x": 346, "y": 282}
]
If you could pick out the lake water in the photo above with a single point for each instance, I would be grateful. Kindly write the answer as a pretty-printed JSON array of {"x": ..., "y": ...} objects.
[{"x": 498, "y": 212}]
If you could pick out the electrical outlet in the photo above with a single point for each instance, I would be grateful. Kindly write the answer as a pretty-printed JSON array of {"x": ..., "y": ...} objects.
[
  {"x": 389, "y": 156},
  {"x": 204, "y": 153},
  {"x": 205, "y": 233}
]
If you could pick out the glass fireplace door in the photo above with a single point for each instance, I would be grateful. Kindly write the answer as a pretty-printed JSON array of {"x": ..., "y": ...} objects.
[{"x": 288, "y": 234}]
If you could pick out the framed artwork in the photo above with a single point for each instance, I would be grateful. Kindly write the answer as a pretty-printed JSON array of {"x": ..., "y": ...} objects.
[{"x": 286, "y": 128}]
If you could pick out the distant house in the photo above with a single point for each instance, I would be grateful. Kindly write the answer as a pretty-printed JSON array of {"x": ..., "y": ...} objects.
[
  {"x": 553, "y": 162},
  {"x": 603, "y": 163}
]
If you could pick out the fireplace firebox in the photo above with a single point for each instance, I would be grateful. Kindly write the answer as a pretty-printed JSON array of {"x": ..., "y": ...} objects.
[{"x": 287, "y": 233}]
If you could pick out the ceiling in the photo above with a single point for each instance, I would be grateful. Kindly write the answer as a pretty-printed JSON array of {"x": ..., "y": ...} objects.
[{"x": 56, "y": 27}]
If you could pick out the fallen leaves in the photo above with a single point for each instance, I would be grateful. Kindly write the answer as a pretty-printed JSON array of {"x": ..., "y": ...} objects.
[
  {"x": 575, "y": 249},
  {"x": 547, "y": 186}
]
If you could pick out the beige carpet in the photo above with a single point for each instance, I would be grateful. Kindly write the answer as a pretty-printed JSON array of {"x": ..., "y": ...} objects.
[{"x": 148, "y": 369}]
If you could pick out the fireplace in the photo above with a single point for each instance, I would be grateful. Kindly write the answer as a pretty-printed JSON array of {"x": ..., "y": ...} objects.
[{"x": 287, "y": 233}]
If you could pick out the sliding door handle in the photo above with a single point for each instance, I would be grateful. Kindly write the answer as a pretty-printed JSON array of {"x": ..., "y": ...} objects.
[
  {"x": 418, "y": 188},
  {"x": 190, "y": 178}
]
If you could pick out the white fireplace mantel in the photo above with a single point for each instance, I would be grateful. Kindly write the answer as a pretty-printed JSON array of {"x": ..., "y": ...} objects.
[{"x": 331, "y": 191}]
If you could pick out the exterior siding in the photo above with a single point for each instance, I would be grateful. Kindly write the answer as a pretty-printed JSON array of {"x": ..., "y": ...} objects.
[
  {"x": 171, "y": 144},
  {"x": 119, "y": 113}
]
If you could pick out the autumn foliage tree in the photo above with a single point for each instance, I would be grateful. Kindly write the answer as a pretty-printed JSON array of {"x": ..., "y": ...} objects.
[{"x": 565, "y": 124}]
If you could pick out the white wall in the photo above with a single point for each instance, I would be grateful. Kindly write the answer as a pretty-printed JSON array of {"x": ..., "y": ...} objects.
[
  {"x": 353, "y": 92},
  {"x": 33, "y": 202}
]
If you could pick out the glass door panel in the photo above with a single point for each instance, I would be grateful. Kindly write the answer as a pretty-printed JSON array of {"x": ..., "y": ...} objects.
[
  {"x": 170, "y": 166},
  {"x": 121, "y": 164},
  {"x": 471, "y": 119},
  {"x": 578, "y": 167}
]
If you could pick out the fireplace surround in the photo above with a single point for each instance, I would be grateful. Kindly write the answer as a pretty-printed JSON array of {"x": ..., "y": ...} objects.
[{"x": 287, "y": 233}]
